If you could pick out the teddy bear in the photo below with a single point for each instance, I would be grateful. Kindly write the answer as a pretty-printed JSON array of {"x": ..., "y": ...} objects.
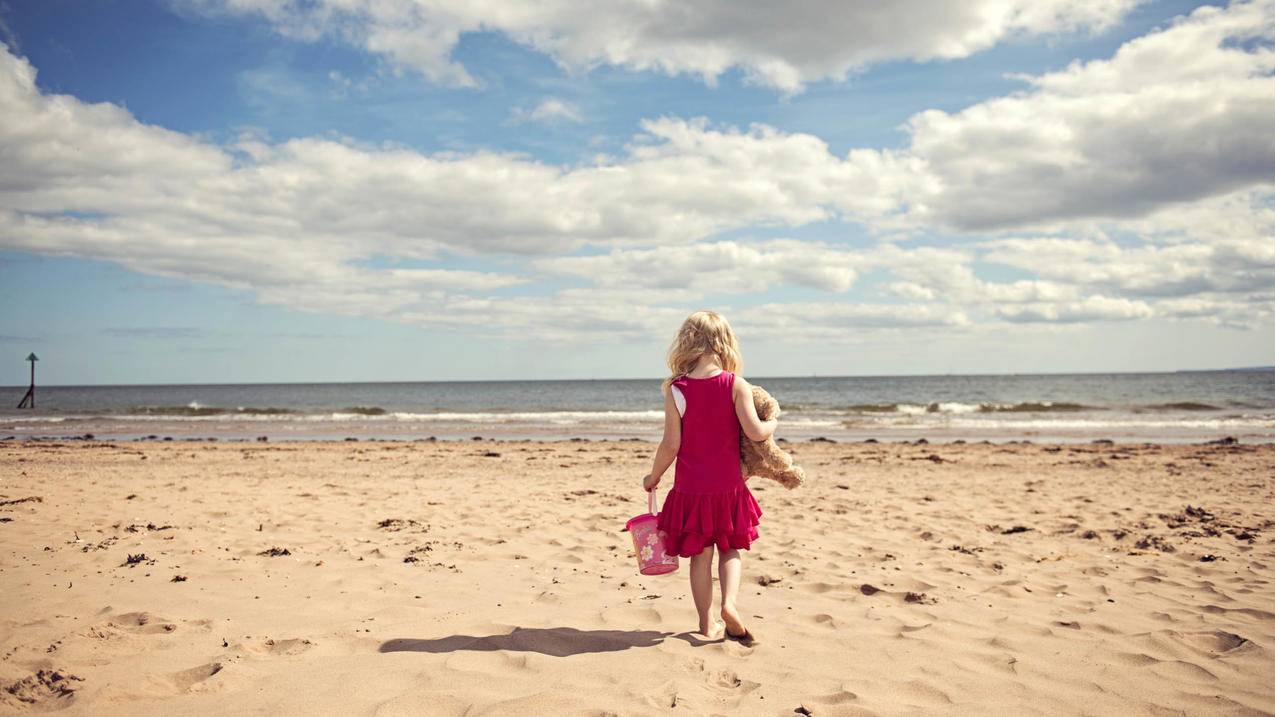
[{"x": 766, "y": 458}]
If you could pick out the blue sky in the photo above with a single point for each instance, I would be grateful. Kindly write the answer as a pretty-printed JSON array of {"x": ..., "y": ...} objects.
[{"x": 206, "y": 191}]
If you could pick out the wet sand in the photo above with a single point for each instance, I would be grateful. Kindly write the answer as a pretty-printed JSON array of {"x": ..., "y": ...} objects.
[{"x": 490, "y": 577}]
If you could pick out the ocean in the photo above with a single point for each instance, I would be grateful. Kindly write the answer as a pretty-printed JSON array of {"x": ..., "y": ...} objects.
[{"x": 1125, "y": 407}]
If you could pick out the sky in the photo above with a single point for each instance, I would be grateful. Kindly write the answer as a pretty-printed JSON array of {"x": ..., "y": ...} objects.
[{"x": 220, "y": 191}]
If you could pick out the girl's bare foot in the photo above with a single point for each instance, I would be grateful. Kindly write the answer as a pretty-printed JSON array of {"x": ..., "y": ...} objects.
[
  {"x": 714, "y": 631},
  {"x": 734, "y": 627}
]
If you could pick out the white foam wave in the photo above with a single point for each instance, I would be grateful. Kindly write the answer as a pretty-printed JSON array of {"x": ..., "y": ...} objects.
[
  {"x": 946, "y": 407},
  {"x": 1246, "y": 422},
  {"x": 954, "y": 408},
  {"x": 789, "y": 421},
  {"x": 1217, "y": 423}
]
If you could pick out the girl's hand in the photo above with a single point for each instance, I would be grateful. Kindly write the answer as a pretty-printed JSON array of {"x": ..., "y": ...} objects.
[{"x": 649, "y": 482}]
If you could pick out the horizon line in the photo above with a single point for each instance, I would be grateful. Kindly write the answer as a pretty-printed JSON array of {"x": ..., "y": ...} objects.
[{"x": 642, "y": 378}]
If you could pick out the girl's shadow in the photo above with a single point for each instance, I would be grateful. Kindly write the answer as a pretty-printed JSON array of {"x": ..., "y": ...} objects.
[{"x": 555, "y": 641}]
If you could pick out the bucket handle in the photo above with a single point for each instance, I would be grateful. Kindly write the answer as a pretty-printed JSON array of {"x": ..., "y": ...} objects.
[{"x": 650, "y": 501}]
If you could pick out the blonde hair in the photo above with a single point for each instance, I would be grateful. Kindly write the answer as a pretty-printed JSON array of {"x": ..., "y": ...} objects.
[{"x": 703, "y": 333}]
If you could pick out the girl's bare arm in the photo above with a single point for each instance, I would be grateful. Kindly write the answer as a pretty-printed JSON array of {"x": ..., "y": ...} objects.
[
  {"x": 669, "y": 444},
  {"x": 755, "y": 428}
]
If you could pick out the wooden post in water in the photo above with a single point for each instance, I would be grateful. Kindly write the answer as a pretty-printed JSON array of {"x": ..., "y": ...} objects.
[{"x": 28, "y": 401}]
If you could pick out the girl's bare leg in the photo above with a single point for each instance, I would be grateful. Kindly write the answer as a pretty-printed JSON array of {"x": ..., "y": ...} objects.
[
  {"x": 729, "y": 567},
  {"x": 702, "y": 590}
]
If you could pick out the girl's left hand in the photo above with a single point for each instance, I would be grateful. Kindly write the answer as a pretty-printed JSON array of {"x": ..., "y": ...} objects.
[{"x": 649, "y": 482}]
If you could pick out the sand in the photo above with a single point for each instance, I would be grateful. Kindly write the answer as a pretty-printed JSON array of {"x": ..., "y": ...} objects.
[{"x": 490, "y": 577}]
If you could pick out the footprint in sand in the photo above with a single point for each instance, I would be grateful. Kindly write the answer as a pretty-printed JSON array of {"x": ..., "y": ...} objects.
[
  {"x": 728, "y": 682},
  {"x": 270, "y": 647},
  {"x": 142, "y": 623},
  {"x": 839, "y": 697},
  {"x": 735, "y": 648},
  {"x": 196, "y": 678},
  {"x": 922, "y": 694},
  {"x": 134, "y": 632},
  {"x": 1214, "y": 643},
  {"x": 45, "y": 689},
  {"x": 825, "y": 620}
]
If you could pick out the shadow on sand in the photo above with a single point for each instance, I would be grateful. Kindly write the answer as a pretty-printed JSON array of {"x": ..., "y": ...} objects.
[{"x": 555, "y": 641}]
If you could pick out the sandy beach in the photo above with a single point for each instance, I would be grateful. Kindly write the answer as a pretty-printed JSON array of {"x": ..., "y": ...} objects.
[{"x": 483, "y": 577}]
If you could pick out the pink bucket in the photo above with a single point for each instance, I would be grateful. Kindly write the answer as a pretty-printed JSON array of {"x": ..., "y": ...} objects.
[{"x": 648, "y": 544}]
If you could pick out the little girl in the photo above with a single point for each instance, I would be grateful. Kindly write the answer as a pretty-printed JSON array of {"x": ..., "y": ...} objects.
[{"x": 705, "y": 407}]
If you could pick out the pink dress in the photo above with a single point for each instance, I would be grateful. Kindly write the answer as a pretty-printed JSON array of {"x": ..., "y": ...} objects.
[{"x": 710, "y": 503}]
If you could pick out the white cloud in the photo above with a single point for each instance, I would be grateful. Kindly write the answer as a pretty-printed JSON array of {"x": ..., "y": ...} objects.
[
  {"x": 1246, "y": 214},
  {"x": 336, "y": 226},
  {"x": 551, "y": 110},
  {"x": 679, "y": 181},
  {"x": 781, "y": 45},
  {"x": 940, "y": 281},
  {"x": 1175, "y": 116},
  {"x": 1227, "y": 266},
  {"x": 841, "y": 322},
  {"x": 1253, "y": 311},
  {"x": 724, "y": 267},
  {"x": 911, "y": 290},
  {"x": 565, "y": 316},
  {"x": 300, "y": 223},
  {"x": 1091, "y": 308}
]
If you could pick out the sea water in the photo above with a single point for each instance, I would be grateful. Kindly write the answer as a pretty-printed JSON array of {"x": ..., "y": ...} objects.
[{"x": 1160, "y": 407}]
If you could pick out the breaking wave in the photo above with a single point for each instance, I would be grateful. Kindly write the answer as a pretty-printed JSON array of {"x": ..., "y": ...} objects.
[
  {"x": 1181, "y": 406},
  {"x": 194, "y": 408}
]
